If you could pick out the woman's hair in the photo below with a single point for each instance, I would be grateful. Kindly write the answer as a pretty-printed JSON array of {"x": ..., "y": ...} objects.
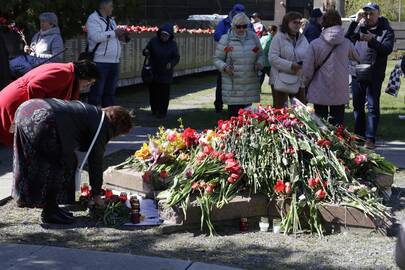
[
  {"x": 240, "y": 19},
  {"x": 331, "y": 18},
  {"x": 49, "y": 17},
  {"x": 119, "y": 118},
  {"x": 86, "y": 70},
  {"x": 273, "y": 28},
  {"x": 290, "y": 16}
]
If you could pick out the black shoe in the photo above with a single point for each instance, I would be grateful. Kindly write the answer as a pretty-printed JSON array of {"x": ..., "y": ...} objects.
[
  {"x": 55, "y": 217},
  {"x": 65, "y": 212}
]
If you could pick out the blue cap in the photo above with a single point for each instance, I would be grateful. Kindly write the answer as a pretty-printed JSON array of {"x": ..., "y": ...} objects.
[
  {"x": 371, "y": 6},
  {"x": 238, "y": 8}
]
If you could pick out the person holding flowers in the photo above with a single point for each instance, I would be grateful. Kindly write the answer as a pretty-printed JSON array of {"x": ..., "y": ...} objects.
[
  {"x": 287, "y": 52},
  {"x": 239, "y": 57}
]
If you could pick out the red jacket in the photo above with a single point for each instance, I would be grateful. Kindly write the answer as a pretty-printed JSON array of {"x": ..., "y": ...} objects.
[{"x": 46, "y": 81}]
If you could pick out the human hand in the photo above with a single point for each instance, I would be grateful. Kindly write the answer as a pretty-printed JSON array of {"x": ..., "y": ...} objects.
[
  {"x": 367, "y": 37},
  {"x": 119, "y": 32},
  {"x": 98, "y": 201},
  {"x": 27, "y": 49},
  {"x": 360, "y": 15},
  {"x": 296, "y": 67},
  {"x": 258, "y": 67},
  {"x": 228, "y": 70}
]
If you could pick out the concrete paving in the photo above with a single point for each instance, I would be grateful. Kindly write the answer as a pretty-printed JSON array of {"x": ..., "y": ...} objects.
[{"x": 31, "y": 257}]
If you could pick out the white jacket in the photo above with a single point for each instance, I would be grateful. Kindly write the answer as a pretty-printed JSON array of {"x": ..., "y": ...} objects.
[
  {"x": 109, "y": 50},
  {"x": 283, "y": 54}
]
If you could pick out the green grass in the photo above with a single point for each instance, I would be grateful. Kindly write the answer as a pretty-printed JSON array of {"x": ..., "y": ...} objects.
[{"x": 192, "y": 99}]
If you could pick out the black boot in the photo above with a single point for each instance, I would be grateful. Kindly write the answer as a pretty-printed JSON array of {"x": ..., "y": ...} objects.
[
  {"x": 55, "y": 217},
  {"x": 65, "y": 212}
]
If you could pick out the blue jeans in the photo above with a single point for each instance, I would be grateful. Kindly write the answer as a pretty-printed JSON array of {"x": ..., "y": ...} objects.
[
  {"x": 103, "y": 91},
  {"x": 371, "y": 93}
]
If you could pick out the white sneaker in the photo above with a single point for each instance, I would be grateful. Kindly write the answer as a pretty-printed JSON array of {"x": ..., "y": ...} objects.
[{"x": 401, "y": 117}]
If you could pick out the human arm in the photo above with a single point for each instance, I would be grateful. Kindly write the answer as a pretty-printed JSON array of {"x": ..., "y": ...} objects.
[
  {"x": 275, "y": 58},
  {"x": 96, "y": 30},
  {"x": 386, "y": 45}
]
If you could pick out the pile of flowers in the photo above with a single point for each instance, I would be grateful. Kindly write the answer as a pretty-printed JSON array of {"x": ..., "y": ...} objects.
[
  {"x": 138, "y": 29},
  {"x": 288, "y": 154},
  {"x": 115, "y": 211}
]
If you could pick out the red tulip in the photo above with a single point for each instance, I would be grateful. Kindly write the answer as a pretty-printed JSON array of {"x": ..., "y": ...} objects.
[
  {"x": 146, "y": 176},
  {"x": 123, "y": 197},
  {"x": 320, "y": 194},
  {"x": 312, "y": 182},
  {"x": 195, "y": 185},
  {"x": 209, "y": 189},
  {"x": 279, "y": 186},
  {"x": 163, "y": 174}
]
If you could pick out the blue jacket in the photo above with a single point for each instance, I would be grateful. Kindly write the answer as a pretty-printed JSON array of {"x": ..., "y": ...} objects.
[
  {"x": 162, "y": 53},
  {"x": 222, "y": 28},
  {"x": 313, "y": 30}
]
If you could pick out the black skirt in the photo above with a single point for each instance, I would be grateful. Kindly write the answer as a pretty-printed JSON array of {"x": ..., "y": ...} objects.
[{"x": 39, "y": 168}]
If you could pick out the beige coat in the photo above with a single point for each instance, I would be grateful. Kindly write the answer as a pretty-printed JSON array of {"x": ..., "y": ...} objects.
[
  {"x": 283, "y": 54},
  {"x": 244, "y": 86}
]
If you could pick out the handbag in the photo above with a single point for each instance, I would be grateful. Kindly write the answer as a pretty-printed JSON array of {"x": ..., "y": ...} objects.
[
  {"x": 287, "y": 83},
  {"x": 80, "y": 169},
  {"x": 364, "y": 73},
  {"x": 147, "y": 72}
]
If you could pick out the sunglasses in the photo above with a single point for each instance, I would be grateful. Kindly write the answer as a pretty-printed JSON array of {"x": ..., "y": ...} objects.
[{"x": 243, "y": 26}]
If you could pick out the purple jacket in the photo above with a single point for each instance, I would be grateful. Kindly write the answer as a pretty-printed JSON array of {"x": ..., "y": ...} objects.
[{"x": 330, "y": 84}]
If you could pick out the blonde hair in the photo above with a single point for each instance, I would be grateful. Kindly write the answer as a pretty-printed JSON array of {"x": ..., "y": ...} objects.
[{"x": 240, "y": 19}]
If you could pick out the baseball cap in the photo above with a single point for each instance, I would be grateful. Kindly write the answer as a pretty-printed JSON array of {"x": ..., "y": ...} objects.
[
  {"x": 316, "y": 13},
  {"x": 371, "y": 6}
]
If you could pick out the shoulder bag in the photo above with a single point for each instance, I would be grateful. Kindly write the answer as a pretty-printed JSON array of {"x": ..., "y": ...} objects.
[
  {"x": 80, "y": 169},
  {"x": 323, "y": 62}
]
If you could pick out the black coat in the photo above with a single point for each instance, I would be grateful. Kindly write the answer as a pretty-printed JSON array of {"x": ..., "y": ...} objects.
[
  {"x": 162, "y": 53},
  {"x": 378, "y": 48},
  {"x": 4, "y": 67},
  {"x": 77, "y": 124}
]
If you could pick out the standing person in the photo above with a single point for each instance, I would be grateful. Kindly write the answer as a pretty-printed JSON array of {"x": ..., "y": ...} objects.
[
  {"x": 239, "y": 57},
  {"x": 45, "y": 44},
  {"x": 304, "y": 24},
  {"x": 265, "y": 42},
  {"x": 326, "y": 65},
  {"x": 374, "y": 40},
  {"x": 314, "y": 28},
  {"x": 57, "y": 80},
  {"x": 221, "y": 29},
  {"x": 287, "y": 52},
  {"x": 164, "y": 56},
  {"x": 102, "y": 32},
  {"x": 48, "y": 132},
  {"x": 4, "y": 68},
  {"x": 258, "y": 26}
]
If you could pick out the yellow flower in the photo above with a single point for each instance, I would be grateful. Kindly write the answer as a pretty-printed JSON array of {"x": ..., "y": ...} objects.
[
  {"x": 184, "y": 156},
  {"x": 143, "y": 153},
  {"x": 211, "y": 134}
]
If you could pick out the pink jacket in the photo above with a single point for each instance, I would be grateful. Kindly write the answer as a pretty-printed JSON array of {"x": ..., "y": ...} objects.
[{"x": 330, "y": 84}]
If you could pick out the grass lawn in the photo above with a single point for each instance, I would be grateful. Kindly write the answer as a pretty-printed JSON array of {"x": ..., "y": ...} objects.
[{"x": 192, "y": 99}]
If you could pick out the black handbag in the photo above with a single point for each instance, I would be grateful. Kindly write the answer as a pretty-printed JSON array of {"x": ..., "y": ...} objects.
[
  {"x": 147, "y": 72},
  {"x": 364, "y": 73}
]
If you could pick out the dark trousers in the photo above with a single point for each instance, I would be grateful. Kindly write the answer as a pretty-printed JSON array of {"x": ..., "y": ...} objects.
[
  {"x": 371, "y": 93},
  {"x": 218, "y": 94},
  {"x": 234, "y": 109},
  {"x": 265, "y": 71},
  {"x": 334, "y": 114},
  {"x": 280, "y": 99},
  {"x": 159, "y": 95},
  {"x": 103, "y": 91}
]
